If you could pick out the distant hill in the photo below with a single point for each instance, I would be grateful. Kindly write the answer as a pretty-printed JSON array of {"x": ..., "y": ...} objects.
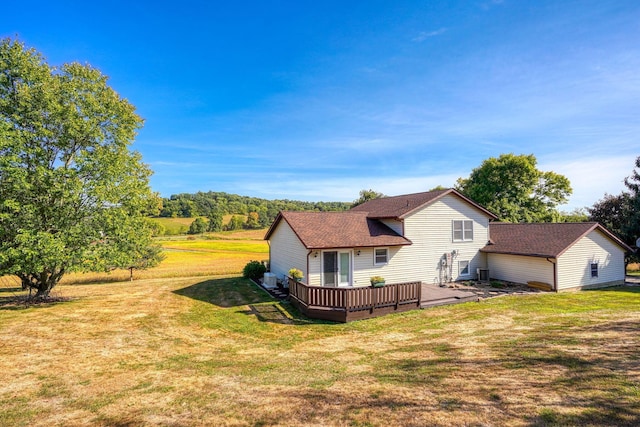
[{"x": 186, "y": 205}]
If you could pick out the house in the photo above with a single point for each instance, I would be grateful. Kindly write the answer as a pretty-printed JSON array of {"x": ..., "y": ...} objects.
[
  {"x": 428, "y": 237},
  {"x": 436, "y": 237},
  {"x": 562, "y": 255},
  {"x": 432, "y": 237}
]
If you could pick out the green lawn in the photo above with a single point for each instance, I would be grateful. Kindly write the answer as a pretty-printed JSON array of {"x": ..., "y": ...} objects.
[{"x": 200, "y": 351}]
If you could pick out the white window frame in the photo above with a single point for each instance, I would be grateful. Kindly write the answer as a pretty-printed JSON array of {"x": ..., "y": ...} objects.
[
  {"x": 594, "y": 271},
  {"x": 465, "y": 227},
  {"x": 468, "y": 267},
  {"x": 375, "y": 256}
]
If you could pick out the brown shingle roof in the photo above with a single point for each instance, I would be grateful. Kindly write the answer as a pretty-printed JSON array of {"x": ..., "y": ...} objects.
[
  {"x": 401, "y": 206},
  {"x": 321, "y": 230},
  {"x": 549, "y": 240}
]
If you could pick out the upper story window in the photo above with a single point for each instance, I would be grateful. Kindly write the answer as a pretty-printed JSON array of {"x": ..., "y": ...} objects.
[
  {"x": 594, "y": 269},
  {"x": 462, "y": 230},
  {"x": 380, "y": 256}
]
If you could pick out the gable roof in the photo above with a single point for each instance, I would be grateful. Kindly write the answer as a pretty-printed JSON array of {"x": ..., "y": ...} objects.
[
  {"x": 402, "y": 206},
  {"x": 548, "y": 240},
  {"x": 323, "y": 230}
]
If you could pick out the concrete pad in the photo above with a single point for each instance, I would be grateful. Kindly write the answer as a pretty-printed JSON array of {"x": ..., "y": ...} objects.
[{"x": 433, "y": 295}]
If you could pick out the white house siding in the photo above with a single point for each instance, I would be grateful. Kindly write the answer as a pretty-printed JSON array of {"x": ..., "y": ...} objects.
[
  {"x": 430, "y": 230},
  {"x": 574, "y": 266},
  {"x": 365, "y": 268},
  {"x": 520, "y": 269},
  {"x": 394, "y": 225},
  {"x": 314, "y": 277},
  {"x": 287, "y": 251}
]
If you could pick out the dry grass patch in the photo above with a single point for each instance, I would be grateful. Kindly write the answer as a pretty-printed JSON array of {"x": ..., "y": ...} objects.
[
  {"x": 220, "y": 351},
  {"x": 215, "y": 254}
]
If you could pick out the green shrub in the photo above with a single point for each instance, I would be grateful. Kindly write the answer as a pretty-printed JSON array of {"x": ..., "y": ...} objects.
[{"x": 253, "y": 270}]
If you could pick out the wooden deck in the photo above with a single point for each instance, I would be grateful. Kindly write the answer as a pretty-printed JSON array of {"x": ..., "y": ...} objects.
[
  {"x": 354, "y": 303},
  {"x": 357, "y": 303}
]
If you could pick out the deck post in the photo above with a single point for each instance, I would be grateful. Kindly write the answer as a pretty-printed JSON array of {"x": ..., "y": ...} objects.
[
  {"x": 374, "y": 299},
  {"x": 397, "y": 296}
]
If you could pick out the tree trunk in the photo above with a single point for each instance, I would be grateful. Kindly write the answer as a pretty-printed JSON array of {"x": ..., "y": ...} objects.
[{"x": 42, "y": 282}]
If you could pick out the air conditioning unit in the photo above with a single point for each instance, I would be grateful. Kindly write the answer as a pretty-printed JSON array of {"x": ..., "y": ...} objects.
[
  {"x": 483, "y": 274},
  {"x": 269, "y": 280}
]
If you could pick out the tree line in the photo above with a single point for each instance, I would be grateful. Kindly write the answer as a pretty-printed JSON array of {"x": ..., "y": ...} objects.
[{"x": 248, "y": 212}]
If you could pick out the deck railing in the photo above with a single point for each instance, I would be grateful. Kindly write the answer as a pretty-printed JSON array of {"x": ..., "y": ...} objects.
[{"x": 354, "y": 302}]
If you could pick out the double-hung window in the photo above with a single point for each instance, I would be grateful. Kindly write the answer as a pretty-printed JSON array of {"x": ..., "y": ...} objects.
[
  {"x": 594, "y": 269},
  {"x": 462, "y": 230},
  {"x": 380, "y": 256}
]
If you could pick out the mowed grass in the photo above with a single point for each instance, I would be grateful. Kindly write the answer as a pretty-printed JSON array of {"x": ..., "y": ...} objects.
[
  {"x": 219, "y": 351},
  {"x": 187, "y": 256}
]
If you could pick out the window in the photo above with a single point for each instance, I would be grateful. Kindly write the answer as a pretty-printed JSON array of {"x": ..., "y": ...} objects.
[
  {"x": 381, "y": 256},
  {"x": 462, "y": 231},
  {"x": 463, "y": 268},
  {"x": 594, "y": 269}
]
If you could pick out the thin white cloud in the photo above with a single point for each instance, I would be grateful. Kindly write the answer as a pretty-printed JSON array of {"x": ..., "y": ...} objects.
[
  {"x": 342, "y": 189},
  {"x": 423, "y": 35},
  {"x": 591, "y": 177}
]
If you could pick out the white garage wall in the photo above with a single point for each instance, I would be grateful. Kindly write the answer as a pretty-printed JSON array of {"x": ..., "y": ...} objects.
[
  {"x": 574, "y": 266},
  {"x": 520, "y": 269}
]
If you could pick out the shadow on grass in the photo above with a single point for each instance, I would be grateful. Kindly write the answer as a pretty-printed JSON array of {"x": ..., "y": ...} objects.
[
  {"x": 631, "y": 288},
  {"x": 22, "y": 301},
  {"x": 282, "y": 313},
  {"x": 240, "y": 292},
  {"x": 226, "y": 292}
]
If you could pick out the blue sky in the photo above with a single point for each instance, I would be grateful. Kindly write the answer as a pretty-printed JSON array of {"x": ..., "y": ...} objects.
[{"x": 316, "y": 100}]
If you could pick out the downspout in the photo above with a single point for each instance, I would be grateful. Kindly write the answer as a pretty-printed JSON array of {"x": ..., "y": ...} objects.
[
  {"x": 307, "y": 272},
  {"x": 269, "y": 244},
  {"x": 555, "y": 275}
]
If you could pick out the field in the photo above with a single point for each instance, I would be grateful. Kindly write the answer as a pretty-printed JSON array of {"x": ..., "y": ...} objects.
[
  {"x": 633, "y": 269},
  {"x": 186, "y": 256},
  {"x": 189, "y": 343},
  {"x": 219, "y": 351},
  {"x": 176, "y": 226}
]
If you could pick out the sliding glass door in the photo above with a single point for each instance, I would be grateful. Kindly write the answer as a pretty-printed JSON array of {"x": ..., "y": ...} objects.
[{"x": 336, "y": 268}]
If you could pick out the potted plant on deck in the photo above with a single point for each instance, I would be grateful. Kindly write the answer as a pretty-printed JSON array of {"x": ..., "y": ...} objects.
[
  {"x": 296, "y": 274},
  {"x": 377, "y": 281}
]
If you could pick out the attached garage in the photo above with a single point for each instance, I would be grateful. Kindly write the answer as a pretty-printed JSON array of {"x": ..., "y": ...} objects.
[{"x": 563, "y": 255}]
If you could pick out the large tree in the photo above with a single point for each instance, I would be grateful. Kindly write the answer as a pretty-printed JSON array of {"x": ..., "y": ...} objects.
[
  {"x": 513, "y": 188},
  {"x": 73, "y": 197},
  {"x": 621, "y": 213},
  {"x": 365, "y": 196}
]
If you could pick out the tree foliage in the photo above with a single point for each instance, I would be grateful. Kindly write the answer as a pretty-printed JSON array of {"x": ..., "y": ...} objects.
[
  {"x": 513, "y": 188},
  {"x": 236, "y": 223},
  {"x": 215, "y": 221},
  {"x": 72, "y": 195},
  {"x": 576, "y": 215},
  {"x": 621, "y": 214},
  {"x": 198, "y": 226},
  {"x": 366, "y": 195},
  {"x": 187, "y": 205}
]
